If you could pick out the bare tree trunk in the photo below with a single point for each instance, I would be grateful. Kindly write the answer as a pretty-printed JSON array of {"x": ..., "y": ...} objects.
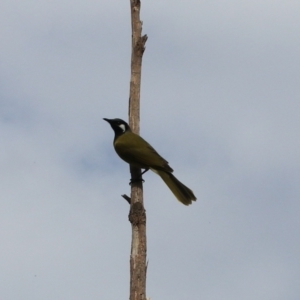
[{"x": 137, "y": 214}]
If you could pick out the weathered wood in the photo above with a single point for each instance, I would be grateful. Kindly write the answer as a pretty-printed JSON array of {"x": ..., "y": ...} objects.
[{"x": 137, "y": 214}]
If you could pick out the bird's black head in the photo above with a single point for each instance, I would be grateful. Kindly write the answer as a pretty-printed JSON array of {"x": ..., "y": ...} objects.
[{"x": 119, "y": 126}]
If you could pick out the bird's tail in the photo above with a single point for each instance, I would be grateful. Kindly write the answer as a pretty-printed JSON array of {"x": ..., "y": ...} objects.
[{"x": 180, "y": 191}]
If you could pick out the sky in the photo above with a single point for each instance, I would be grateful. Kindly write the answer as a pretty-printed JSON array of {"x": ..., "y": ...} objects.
[{"x": 220, "y": 101}]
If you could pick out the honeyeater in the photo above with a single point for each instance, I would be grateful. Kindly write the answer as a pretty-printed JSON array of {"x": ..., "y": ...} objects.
[{"x": 137, "y": 152}]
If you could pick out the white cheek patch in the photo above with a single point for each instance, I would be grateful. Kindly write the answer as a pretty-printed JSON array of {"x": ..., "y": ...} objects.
[{"x": 122, "y": 126}]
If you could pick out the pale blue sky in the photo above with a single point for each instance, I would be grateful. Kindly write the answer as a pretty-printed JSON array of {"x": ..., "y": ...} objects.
[{"x": 220, "y": 101}]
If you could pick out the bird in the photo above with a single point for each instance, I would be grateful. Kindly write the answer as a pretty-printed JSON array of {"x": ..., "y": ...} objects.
[{"x": 134, "y": 150}]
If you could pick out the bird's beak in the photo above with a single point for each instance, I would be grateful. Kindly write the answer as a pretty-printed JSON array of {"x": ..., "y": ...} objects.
[{"x": 107, "y": 120}]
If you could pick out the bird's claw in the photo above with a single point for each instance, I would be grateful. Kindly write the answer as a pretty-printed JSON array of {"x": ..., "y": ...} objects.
[{"x": 136, "y": 180}]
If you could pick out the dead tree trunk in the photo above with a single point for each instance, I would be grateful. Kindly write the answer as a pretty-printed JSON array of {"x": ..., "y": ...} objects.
[{"x": 137, "y": 214}]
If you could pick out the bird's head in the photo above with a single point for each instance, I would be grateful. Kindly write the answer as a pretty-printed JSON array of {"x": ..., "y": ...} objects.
[{"x": 119, "y": 126}]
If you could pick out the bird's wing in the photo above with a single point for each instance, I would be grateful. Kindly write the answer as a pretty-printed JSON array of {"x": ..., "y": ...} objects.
[{"x": 135, "y": 150}]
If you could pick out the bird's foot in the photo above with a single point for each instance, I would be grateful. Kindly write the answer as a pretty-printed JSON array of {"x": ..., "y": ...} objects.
[
  {"x": 146, "y": 170},
  {"x": 134, "y": 180},
  {"x": 139, "y": 179}
]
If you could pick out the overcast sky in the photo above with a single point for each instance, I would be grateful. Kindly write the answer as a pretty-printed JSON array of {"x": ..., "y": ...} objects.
[{"x": 220, "y": 101}]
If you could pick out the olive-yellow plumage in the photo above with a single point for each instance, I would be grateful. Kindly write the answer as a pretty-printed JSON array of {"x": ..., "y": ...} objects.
[{"x": 136, "y": 151}]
